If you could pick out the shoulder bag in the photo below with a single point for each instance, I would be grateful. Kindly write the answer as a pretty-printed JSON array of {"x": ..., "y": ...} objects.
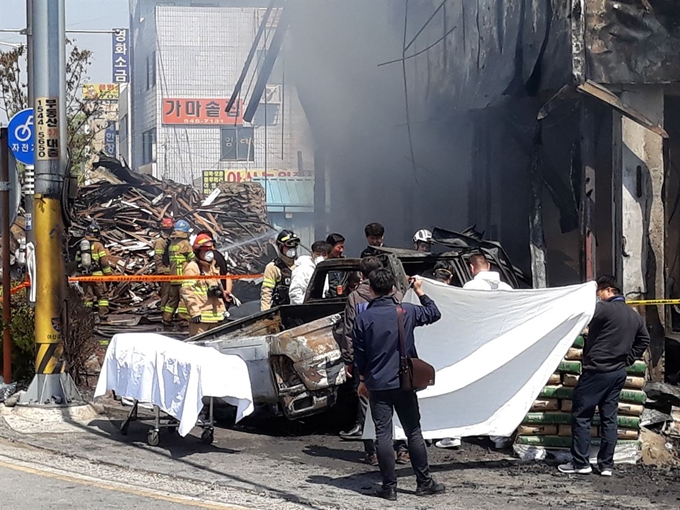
[{"x": 414, "y": 373}]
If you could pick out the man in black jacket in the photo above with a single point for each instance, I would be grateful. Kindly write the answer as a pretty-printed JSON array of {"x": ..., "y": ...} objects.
[
  {"x": 377, "y": 361},
  {"x": 617, "y": 336}
]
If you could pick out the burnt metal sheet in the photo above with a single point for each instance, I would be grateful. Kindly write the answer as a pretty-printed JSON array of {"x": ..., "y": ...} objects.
[
  {"x": 633, "y": 41},
  {"x": 603, "y": 94}
]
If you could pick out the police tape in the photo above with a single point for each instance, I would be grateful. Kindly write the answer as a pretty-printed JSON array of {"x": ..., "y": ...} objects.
[
  {"x": 159, "y": 278},
  {"x": 653, "y": 302}
]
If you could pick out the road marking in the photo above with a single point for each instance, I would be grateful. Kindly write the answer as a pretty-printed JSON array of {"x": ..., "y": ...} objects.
[{"x": 17, "y": 465}]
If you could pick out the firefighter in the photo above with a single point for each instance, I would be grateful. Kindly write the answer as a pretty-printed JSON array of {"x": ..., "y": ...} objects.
[
  {"x": 277, "y": 274},
  {"x": 161, "y": 257},
  {"x": 94, "y": 261},
  {"x": 422, "y": 241},
  {"x": 203, "y": 300},
  {"x": 180, "y": 254}
]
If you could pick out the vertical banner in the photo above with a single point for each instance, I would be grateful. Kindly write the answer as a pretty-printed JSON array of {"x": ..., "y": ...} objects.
[
  {"x": 121, "y": 55},
  {"x": 47, "y": 128},
  {"x": 110, "y": 139}
]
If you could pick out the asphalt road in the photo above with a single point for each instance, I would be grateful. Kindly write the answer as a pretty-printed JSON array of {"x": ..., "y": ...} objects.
[
  {"x": 27, "y": 490},
  {"x": 23, "y": 487}
]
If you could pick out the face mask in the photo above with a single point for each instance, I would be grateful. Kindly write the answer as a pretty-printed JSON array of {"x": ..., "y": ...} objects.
[
  {"x": 291, "y": 253},
  {"x": 320, "y": 258},
  {"x": 209, "y": 256}
]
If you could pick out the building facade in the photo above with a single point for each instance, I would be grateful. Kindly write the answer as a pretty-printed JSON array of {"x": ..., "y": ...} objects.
[{"x": 187, "y": 57}]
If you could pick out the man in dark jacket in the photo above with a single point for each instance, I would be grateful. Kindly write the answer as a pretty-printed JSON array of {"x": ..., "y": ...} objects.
[
  {"x": 617, "y": 336},
  {"x": 357, "y": 302},
  {"x": 375, "y": 234},
  {"x": 377, "y": 361}
]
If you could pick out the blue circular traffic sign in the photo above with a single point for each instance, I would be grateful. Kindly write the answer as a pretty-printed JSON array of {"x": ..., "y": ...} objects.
[{"x": 21, "y": 136}]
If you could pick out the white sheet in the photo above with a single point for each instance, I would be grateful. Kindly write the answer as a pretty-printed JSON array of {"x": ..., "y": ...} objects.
[
  {"x": 493, "y": 352},
  {"x": 174, "y": 375}
]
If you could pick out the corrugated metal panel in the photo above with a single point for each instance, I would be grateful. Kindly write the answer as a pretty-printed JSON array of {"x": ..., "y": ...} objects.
[{"x": 289, "y": 194}]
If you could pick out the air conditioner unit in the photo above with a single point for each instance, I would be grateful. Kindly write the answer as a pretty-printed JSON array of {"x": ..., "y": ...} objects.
[{"x": 272, "y": 95}]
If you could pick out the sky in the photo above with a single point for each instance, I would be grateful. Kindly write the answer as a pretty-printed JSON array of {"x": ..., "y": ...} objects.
[{"x": 80, "y": 15}]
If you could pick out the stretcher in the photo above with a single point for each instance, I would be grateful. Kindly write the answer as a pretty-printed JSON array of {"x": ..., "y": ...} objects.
[
  {"x": 174, "y": 380},
  {"x": 162, "y": 420}
]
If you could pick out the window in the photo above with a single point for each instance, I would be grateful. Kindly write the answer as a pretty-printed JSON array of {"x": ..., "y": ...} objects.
[
  {"x": 236, "y": 143},
  {"x": 149, "y": 146},
  {"x": 151, "y": 70}
]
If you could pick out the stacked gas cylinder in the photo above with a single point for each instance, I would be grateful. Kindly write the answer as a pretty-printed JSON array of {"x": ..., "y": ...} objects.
[{"x": 548, "y": 424}]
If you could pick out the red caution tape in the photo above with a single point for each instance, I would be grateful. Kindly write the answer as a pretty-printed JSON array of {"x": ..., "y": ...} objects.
[{"x": 159, "y": 278}]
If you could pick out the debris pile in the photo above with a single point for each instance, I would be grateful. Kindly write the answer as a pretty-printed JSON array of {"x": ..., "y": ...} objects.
[
  {"x": 128, "y": 208},
  {"x": 548, "y": 424}
]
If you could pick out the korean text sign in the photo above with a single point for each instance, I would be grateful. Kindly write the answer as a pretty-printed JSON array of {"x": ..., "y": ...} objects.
[
  {"x": 201, "y": 111},
  {"x": 121, "y": 55}
]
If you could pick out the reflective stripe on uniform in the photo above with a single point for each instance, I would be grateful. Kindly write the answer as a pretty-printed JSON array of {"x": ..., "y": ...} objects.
[
  {"x": 103, "y": 302},
  {"x": 269, "y": 283}
]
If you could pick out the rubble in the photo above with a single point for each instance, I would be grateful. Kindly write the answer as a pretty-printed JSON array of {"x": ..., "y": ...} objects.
[{"x": 129, "y": 207}]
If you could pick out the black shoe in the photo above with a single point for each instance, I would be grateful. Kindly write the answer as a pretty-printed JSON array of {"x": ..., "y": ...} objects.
[
  {"x": 353, "y": 434},
  {"x": 388, "y": 493},
  {"x": 431, "y": 489}
]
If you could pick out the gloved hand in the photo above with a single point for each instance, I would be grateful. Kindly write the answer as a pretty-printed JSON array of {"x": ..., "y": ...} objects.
[{"x": 196, "y": 320}]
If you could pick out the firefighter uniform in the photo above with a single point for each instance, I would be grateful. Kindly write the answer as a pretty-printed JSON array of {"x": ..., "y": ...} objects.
[
  {"x": 276, "y": 283},
  {"x": 197, "y": 297},
  {"x": 162, "y": 260},
  {"x": 180, "y": 254},
  {"x": 101, "y": 266}
]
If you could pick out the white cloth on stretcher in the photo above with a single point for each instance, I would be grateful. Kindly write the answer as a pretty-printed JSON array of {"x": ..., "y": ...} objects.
[{"x": 174, "y": 375}]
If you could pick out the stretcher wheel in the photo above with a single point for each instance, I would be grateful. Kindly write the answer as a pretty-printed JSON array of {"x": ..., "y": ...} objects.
[
  {"x": 208, "y": 436},
  {"x": 154, "y": 438}
]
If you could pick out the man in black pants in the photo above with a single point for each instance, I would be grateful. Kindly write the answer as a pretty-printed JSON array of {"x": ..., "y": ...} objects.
[
  {"x": 617, "y": 336},
  {"x": 376, "y": 357}
]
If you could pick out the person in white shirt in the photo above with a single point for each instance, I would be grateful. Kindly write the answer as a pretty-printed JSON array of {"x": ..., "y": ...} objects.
[
  {"x": 304, "y": 269},
  {"x": 484, "y": 278}
]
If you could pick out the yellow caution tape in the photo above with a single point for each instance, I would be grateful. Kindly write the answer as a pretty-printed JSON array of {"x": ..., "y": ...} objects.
[{"x": 653, "y": 302}]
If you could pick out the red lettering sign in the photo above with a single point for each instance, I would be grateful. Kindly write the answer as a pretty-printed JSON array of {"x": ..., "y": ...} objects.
[{"x": 201, "y": 112}]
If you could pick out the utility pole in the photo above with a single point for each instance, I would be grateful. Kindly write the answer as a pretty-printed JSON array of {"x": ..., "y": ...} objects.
[
  {"x": 29, "y": 176},
  {"x": 6, "y": 284},
  {"x": 50, "y": 385}
]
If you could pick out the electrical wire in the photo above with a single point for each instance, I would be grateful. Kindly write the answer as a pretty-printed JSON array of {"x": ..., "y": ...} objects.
[
  {"x": 428, "y": 48},
  {"x": 406, "y": 104},
  {"x": 441, "y": 6}
]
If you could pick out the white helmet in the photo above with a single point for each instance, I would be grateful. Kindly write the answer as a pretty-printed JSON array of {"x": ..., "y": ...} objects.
[{"x": 423, "y": 236}]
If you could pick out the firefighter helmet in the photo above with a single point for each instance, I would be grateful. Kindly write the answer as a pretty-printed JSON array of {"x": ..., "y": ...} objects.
[
  {"x": 93, "y": 229},
  {"x": 167, "y": 223},
  {"x": 203, "y": 241},
  {"x": 287, "y": 238},
  {"x": 422, "y": 236},
  {"x": 182, "y": 226}
]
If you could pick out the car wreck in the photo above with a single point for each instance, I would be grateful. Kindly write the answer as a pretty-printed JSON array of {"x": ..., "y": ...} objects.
[{"x": 292, "y": 351}]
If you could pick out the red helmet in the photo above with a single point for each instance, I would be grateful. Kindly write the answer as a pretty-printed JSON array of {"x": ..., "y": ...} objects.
[
  {"x": 203, "y": 241},
  {"x": 167, "y": 223}
]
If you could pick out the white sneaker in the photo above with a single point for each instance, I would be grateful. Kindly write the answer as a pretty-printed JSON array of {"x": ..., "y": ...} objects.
[
  {"x": 449, "y": 442},
  {"x": 606, "y": 472},
  {"x": 570, "y": 469}
]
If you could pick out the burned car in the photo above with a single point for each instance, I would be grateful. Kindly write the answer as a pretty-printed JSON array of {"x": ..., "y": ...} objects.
[{"x": 292, "y": 351}]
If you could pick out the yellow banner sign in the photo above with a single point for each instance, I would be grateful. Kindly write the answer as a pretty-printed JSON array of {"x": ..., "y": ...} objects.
[{"x": 100, "y": 92}]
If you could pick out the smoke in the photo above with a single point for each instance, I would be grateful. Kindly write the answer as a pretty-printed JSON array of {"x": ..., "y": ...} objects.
[{"x": 357, "y": 112}]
